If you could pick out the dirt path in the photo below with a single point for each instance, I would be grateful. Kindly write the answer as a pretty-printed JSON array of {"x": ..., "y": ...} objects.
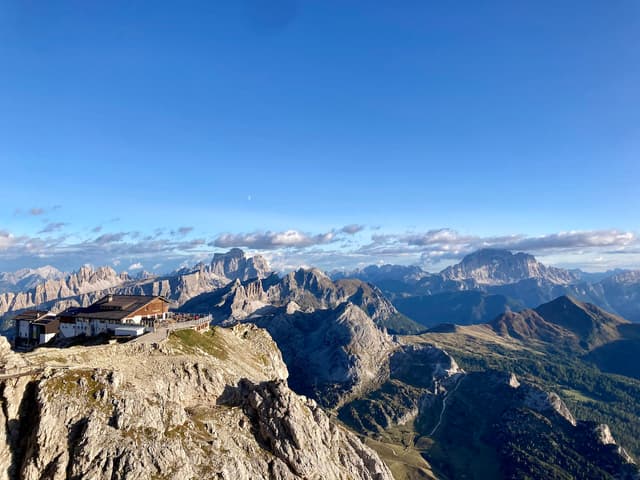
[{"x": 444, "y": 406}]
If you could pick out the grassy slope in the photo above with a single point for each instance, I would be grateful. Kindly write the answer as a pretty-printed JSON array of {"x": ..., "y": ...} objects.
[
  {"x": 589, "y": 393},
  {"x": 191, "y": 342},
  {"x": 405, "y": 463}
]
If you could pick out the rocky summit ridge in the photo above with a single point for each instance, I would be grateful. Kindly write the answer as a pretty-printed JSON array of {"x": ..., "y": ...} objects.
[{"x": 212, "y": 405}]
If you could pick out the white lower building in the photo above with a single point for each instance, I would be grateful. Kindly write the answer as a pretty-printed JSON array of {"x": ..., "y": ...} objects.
[{"x": 34, "y": 327}]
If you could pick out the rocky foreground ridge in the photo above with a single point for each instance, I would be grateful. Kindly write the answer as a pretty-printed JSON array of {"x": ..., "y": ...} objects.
[{"x": 212, "y": 405}]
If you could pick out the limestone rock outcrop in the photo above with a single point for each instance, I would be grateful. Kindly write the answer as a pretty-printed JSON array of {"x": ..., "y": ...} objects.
[
  {"x": 333, "y": 355},
  {"x": 212, "y": 405}
]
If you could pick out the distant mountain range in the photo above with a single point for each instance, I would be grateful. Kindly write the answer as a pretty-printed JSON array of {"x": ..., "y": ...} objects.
[
  {"x": 305, "y": 290},
  {"x": 479, "y": 270},
  {"x": 28, "y": 278},
  {"x": 489, "y": 281},
  {"x": 483, "y": 285},
  {"x": 58, "y": 291}
]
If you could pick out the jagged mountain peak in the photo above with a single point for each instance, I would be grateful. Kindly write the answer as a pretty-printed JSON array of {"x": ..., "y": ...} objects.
[
  {"x": 88, "y": 283},
  {"x": 27, "y": 278},
  {"x": 566, "y": 306},
  {"x": 625, "y": 277},
  {"x": 308, "y": 278},
  {"x": 383, "y": 273},
  {"x": 397, "y": 269},
  {"x": 46, "y": 272},
  {"x": 496, "y": 254},
  {"x": 310, "y": 272},
  {"x": 233, "y": 253},
  {"x": 87, "y": 270},
  {"x": 235, "y": 264},
  {"x": 565, "y": 302}
]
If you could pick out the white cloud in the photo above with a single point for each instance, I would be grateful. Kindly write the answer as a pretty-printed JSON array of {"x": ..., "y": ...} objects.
[
  {"x": 110, "y": 238},
  {"x": 336, "y": 248},
  {"x": 182, "y": 231},
  {"x": 53, "y": 227},
  {"x": 273, "y": 240},
  {"x": 352, "y": 229},
  {"x": 441, "y": 245},
  {"x": 6, "y": 240},
  {"x": 36, "y": 211}
]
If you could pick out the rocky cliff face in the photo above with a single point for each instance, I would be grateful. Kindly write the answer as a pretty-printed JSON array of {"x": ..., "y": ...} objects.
[
  {"x": 87, "y": 285},
  {"x": 235, "y": 265},
  {"x": 333, "y": 355},
  {"x": 313, "y": 289},
  {"x": 213, "y": 405}
]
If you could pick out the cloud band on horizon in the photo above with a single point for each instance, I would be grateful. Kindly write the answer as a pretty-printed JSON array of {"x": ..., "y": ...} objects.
[{"x": 337, "y": 248}]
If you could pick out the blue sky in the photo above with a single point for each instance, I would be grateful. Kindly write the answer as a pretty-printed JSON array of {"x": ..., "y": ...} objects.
[{"x": 154, "y": 133}]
